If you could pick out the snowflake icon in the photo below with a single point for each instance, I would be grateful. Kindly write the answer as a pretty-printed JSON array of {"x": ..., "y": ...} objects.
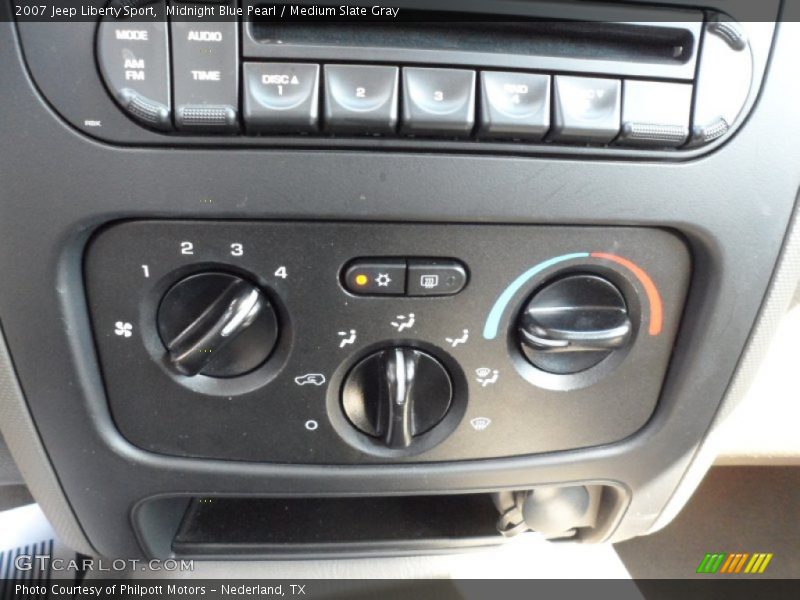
[{"x": 383, "y": 280}]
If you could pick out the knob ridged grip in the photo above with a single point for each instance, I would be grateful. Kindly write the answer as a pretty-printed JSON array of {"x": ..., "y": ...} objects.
[
  {"x": 216, "y": 324},
  {"x": 397, "y": 394},
  {"x": 573, "y": 323}
]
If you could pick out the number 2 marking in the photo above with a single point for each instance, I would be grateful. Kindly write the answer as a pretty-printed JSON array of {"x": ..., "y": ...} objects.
[{"x": 187, "y": 248}]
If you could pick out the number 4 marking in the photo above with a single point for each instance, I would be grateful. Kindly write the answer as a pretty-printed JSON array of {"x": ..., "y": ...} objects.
[{"x": 281, "y": 272}]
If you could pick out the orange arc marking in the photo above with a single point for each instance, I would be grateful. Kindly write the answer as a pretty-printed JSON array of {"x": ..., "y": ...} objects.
[{"x": 653, "y": 297}]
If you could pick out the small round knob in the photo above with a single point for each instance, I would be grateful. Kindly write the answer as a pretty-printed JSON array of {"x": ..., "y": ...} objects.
[
  {"x": 216, "y": 324},
  {"x": 397, "y": 394},
  {"x": 573, "y": 323}
]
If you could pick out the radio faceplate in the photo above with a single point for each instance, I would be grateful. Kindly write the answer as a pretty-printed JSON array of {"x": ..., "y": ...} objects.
[
  {"x": 643, "y": 82},
  {"x": 289, "y": 408}
]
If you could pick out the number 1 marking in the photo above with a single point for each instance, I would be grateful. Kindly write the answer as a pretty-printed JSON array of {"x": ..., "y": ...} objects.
[{"x": 146, "y": 270}]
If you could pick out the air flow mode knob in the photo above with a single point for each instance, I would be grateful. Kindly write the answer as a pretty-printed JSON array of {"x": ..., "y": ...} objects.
[
  {"x": 217, "y": 324},
  {"x": 397, "y": 394}
]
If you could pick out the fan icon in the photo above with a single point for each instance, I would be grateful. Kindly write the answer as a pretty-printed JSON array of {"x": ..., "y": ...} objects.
[
  {"x": 383, "y": 280},
  {"x": 123, "y": 329}
]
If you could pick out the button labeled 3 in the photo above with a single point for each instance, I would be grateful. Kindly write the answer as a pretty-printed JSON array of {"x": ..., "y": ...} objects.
[{"x": 437, "y": 101}]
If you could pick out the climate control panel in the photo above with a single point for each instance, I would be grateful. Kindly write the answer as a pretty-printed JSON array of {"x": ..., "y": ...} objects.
[{"x": 343, "y": 343}]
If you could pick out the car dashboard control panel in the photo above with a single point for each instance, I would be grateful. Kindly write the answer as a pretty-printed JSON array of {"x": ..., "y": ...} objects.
[
  {"x": 348, "y": 343},
  {"x": 638, "y": 81}
]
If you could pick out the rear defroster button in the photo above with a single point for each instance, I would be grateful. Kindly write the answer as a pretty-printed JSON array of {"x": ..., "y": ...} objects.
[{"x": 435, "y": 277}]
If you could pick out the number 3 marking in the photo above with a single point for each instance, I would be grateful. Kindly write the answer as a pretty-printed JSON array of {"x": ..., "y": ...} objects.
[{"x": 237, "y": 250}]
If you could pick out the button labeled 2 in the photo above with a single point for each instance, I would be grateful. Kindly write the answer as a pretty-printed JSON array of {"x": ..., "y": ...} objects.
[{"x": 361, "y": 98}]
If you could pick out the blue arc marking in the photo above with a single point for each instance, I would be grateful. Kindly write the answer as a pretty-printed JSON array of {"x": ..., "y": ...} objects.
[{"x": 493, "y": 322}]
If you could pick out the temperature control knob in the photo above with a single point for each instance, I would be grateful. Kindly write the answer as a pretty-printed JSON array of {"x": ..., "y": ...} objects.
[
  {"x": 573, "y": 323},
  {"x": 397, "y": 394},
  {"x": 216, "y": 324}
]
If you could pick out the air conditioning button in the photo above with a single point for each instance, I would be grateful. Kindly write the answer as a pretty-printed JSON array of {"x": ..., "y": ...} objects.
[{"x": 376, "y": 277}]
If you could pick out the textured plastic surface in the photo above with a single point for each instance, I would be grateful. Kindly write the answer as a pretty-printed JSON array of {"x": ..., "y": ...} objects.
[
  {"x": 9, "y": 474},
  {"x": 30, "y": 458}
]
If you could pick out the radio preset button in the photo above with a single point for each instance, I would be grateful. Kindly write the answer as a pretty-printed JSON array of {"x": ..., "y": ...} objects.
[
  {"x": 438, "y": 101},
  {"x": 281, "y": 97},
  {"x": 514, "y": 105},
  {"x": 587, "y": 109},
  {"x": 361, "y": 98}
]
